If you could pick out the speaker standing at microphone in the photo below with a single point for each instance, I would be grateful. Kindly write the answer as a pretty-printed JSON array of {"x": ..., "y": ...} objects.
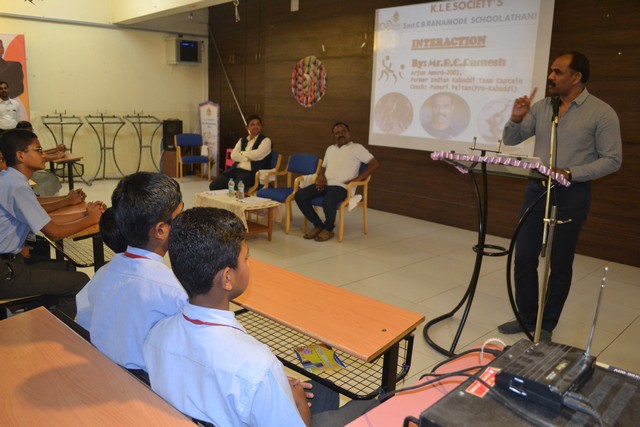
[{"x": 589, "y": 146}]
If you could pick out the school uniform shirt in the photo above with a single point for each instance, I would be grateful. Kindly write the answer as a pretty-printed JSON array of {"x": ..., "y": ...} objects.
[
  {"x": 342, "y": 164},
  {"x": 204, "y": 363},
  {"x": 20, "y": 212},
  {"x": 123, "y": 301}
]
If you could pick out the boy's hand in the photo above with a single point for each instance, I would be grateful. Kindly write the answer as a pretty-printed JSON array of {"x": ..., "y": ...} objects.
[
  {"x": 26, "y": 251},
  {"x": 306, "y": 386},
  {"x": 95, "y": 210},
  {"x": 76, "y": 196},
  {"x": 300, "y": 398}
]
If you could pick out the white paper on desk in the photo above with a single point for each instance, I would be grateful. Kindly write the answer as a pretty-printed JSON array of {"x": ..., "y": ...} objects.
[
  {"x": 255, "y": 200},
  {"x": 528, "y": 159},
  {"x": 217, "y": 192}
]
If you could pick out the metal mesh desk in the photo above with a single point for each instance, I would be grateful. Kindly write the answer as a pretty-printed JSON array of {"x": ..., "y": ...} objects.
[
  {"x": 286, "y": 309},
  {"x": 359, "y": 380}
]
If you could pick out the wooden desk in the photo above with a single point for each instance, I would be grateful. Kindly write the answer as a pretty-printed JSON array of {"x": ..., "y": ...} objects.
[
  {"x": 68, "y": 159},
  {"x": 220, "y": 199},
  {"x": 51, "y": 376},
  {"x": 349, "y": 322},
  {"x": 411, "y": 403},
  {"x": 79, "y": 253}
]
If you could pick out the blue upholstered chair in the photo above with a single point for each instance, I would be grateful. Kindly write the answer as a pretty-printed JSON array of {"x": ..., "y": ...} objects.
[
  {"x": 298, "y": 165},
  {"x": 192, "y": 140},
  {"x": 355, "y": 187},
  {"x": 276, "y": 159}
]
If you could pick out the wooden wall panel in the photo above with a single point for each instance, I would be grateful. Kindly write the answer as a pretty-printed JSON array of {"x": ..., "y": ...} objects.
[{"x": 408, "y": 181}]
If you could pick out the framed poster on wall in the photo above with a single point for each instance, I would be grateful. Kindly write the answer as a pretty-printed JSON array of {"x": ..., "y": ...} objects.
[{"x": 13, "y": 70}]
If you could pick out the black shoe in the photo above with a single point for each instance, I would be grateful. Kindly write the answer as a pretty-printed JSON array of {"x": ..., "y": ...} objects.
[
  {"x": 545, "y": 336},
  {"x": 512, "y": 327}
]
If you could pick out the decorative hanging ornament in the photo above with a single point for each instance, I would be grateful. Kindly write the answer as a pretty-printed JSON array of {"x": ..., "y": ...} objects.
[
  {"x": 236, "y": 3},
  {"x": 308, "y": 81}
]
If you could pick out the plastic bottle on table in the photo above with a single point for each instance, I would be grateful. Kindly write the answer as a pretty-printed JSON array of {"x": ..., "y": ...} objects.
[
  {"x": 232, "y": 188},
  {"x": 240, "y": 192}
]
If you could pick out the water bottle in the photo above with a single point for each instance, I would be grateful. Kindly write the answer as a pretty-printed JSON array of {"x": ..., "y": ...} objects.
[
  {"x": 231, "y": 186},
  {"x": 240, "y": 192}
]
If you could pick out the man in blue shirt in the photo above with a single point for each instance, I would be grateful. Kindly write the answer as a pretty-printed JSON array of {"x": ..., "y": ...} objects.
[
  {"x": 20, "y": 216},
  {"x": 589, "y": 146}
]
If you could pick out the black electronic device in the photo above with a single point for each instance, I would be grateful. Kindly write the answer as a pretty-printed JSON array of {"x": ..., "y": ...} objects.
[
  {"x": 616, "y": 397},
  {"x": 188, "y": 50},
  {"x": 534, "y": 381},
  {"x": 543, "y": 372},
  {"x": 170, "y": 128}
]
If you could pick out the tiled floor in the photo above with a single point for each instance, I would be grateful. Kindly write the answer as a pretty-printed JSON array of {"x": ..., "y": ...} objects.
[{"x": 426, "y": 267}]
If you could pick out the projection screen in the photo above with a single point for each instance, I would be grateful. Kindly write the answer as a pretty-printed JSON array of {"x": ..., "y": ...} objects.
[{"x": 447, "y": 72}]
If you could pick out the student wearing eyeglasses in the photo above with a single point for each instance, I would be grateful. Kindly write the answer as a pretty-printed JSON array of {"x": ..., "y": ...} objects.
[{"x": 21, "y": 215}]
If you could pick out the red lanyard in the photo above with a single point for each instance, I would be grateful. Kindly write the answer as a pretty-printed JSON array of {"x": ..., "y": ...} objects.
[
  {"x": 200, "y": 322},
  {"x": 130, "y": 255}
]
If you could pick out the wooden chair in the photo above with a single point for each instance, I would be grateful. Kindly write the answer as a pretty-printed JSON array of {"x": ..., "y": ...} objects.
[
  {"x": 299, "y": 164},
  {"x": 193, "y": 141},
  {"x": 354, "y": 188},
  {"x": 261, "y": 175}
]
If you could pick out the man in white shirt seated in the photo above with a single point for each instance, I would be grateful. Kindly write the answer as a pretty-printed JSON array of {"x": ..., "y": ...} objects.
[{"x": 340, "y": 166}]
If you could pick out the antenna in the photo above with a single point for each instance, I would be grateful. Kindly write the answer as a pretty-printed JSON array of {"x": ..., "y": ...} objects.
[{"x": 595, "y": 316}]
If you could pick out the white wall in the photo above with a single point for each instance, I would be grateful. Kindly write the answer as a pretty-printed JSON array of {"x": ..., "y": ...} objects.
[
  {"x": 83, "y": 70},
  {"x": 134, "y": 11}
]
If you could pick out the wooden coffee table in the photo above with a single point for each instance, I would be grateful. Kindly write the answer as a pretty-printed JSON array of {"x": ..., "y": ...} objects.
[{"x": 241, "y": 207}]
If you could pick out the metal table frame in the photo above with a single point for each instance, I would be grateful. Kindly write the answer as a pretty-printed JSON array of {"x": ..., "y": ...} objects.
[
  {"x": 137, "y": 120},
  {"x": 62, "y": 120},
  {"x": 100, "y": 121}
]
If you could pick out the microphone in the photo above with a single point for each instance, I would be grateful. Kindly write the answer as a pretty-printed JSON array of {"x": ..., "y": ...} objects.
[{"x": 555, "y": 103}]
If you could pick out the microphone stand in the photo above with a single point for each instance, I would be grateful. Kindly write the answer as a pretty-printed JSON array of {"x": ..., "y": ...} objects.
[{"x": 550, "y": 215}]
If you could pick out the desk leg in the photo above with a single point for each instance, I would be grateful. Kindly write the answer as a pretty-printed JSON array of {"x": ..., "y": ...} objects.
[
  {"x": 390, "y": 368},
  {"x": 270, "y": 222},
  {"x": 70, "y": 175},
  {"x": 59, "y": 254},
  {"x": 98, "y": 252}
]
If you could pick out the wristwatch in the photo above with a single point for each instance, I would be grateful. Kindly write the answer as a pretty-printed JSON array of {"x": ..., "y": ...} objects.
[{"x": 567, "y": 173}]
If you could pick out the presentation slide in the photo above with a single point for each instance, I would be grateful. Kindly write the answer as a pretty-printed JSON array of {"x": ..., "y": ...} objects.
[{"x": 446, "y": 73}]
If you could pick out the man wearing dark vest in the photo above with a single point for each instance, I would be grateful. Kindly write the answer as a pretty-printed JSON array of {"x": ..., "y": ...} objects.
[{"x": 251, "y": 153}]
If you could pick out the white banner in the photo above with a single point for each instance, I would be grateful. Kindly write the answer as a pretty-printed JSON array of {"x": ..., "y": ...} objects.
[{"x": 209, "y": 116}]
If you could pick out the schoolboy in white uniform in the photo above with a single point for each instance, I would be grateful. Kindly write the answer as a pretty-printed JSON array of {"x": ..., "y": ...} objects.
[
  {"x": 132, "y": 292},
  {"x": 202, "y": 360}
]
